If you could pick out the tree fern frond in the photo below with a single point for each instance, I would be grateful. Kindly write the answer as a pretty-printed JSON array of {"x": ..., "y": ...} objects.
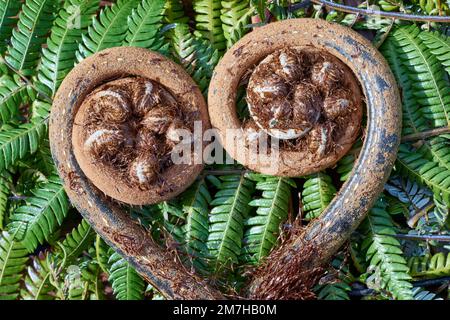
[
  {"x": 127, "y": 284},
  {"x": 263, "y": 228},
  {"x": 226, "y": 230},
  {"x": 58, "y": 57},
  {"x": 35, "y": 20},
  {"x": 208, "y": 24},
  {"x": 13, "y": 258},
  {"x": 108, "y": 30},
  {"x": 14, "y": 92},
  {"x": 439, "y": 46},
  {"x": 18, "y": 142},
  {"x": 334, "y": 291},
  {"x": 44, "y": 161},
  {"x": 145, "y": 25},
  {"x": 235, "y": 16},
  {"x": 9, "y": 9},
  {"x": 36, "y": 281},
  {"x": 383, "y": 252},
  {"x": 5, "y": 191},
  {"x": 78, "y": 241},
  {"x": 45, "y": 210},
  {"x": 318, "y": 191},
  {"x": 430, "y": 88},
  {"x": 102, "y": 253},
  {"x": 437, "y": 265}
]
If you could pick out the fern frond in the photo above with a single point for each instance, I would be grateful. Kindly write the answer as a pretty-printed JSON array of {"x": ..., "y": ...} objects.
[
  {"x": 226, "y": 230},
  {"x": 9, "y": 9},
  {"x": 18, "y": 142},
  {"x": 108, "y": 30},
  {"x": 437, "y": 265},
  {"x": 36, "y": 281},
  {"x": 58, "y": 57},
  {"x": 102, "y": 253},
  {"x": 430, "y": 88},
  {"x": 127, "y": 284},
  {"x": 421, "y": 294},
  {"x": 78, "y": 241},
  {"x": 263, "y": 228},
  {"x": 334, "y": 291},
  {"x": 195, "y": 55},
  {"x": 383, "y": 253},
  {"x": 35, "y": 20},
  {"x": 44, "y": 211},
  {"x": 90, "y": 273},
  {"x": 145, "y": 25},
  {"x": 439, "y": 46},
  {"x": 43, "y": 159},
  {"x": 14, "y": 92},
  {"x": 414, "y": 165},
  {"x": 5, "y": 190},
  {"x": 174, "y": 12},
  {"x": 235, "y": 16},
  {"x": 208, "y": 24},
  {"x": 13, "y": 258},
  {"x": 318, "y": 191}
]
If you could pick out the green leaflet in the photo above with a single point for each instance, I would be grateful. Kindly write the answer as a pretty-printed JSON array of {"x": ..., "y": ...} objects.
[
  {"x": 44, "y": 211},
  {"x": 6, "y": 184},
  {"x": 13, "y": 258},
  {"x": 384, "y": 254},
  {"x": 230, "y": 208},
  {"x": 439, "y": 46},
  {"x": 14, "y": 92},
  {"x": 208, "y": 23},
  {"x": 262, "y": 229},
  {"x": 235, "y": 16},
  {"x": 318, "y": 191},
  {"x": 174, "y": 12},
  {"x": 108, "y": 29},
  {"x": 58, "y": 57},
  {"x": 430, "y": 88},
  {"x": 127, "y": 284},
  {"x": 9, "y": 9},
  {"x": 437, "y": 265},
  {"x": 35, "y": 20},
  {"x": 145, "y": 25}
]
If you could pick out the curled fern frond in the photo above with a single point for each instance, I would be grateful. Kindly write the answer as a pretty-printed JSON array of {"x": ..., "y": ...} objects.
[
  {"x": 127, "y": 284},
  {"x": 208, "y": 24},
  {"x": 14, "y": 92},
  {"x": 145, "y": 24},
  {"x": 13, "y": 259},
  {"x": 318, "y": 191},
  {"x": 44, "y": 211},
  {"x": 58, "y": 57},
  {"x": 439, "y": 46},
  {"x": 36, "y": 281},
  {"x": 35, "y": 20},
  {"x": 108, "y": 30},
  {"x": 430, "y": 88},
  {"x": 263, "y": 228},
  {"x": 437, "y": 265},
  {"x": 384, "y": 254},
  {"x": 9, "y": 9},
  {"x": 226, "y": 229},
  {"x": 235, "y": 16}
]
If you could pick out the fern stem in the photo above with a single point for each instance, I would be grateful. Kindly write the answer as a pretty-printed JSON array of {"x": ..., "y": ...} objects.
[{"x": 425, "y": 134}]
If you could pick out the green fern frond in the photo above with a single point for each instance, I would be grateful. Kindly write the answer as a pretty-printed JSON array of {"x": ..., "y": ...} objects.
[
  {"x": 414, "y": 165},
  {"x": 9, "y": 9},
  {"x": 36, "y": 281},
  {"x": 145, "y": 25},
  {"x": 44, "y": 211},
  {"x": 13, "y": 259},
  {"x": 108, "y": 30},
  {"x": 235, "y": 16},
  {"x": 174, "y": 12},
  {"x": 263, "y": 228},
  {"x": 195, "y": 55},
  {"x": 14, "y": 92},
  {"x": 77, "y": 241},
  {"x": 318, "y": 191},
  {"x": 127, "y": 284},
  {"x": 18, "y": 142},
  {"x": 430, "y": 88},
  {"x": 58, "y": 57},
  {"x": 35, "y": 20},
  {"x": 226, "y": 220},
  {"x": 5, "y": 190},
  {"x": 102, "y": 253},
  {"x": 334, "y": 291},
  {"x": 43, "y": 159},
  {"x": 383, "y": 253},
  {"x": 90, "y": 273},
  {"x": 208, "y": 24},
  {"x": 439, "y": 46},
  {"x": 437, "y": 265},
  {"x": 424, "y": 295}
]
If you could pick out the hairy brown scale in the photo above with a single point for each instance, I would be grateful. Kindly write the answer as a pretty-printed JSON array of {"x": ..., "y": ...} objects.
[
  {"x": 127, "y": 129},
  {"x": 301, "y": 94}
]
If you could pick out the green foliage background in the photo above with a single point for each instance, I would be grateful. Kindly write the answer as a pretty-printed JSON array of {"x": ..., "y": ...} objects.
[{"x": 227, "y": 222}]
